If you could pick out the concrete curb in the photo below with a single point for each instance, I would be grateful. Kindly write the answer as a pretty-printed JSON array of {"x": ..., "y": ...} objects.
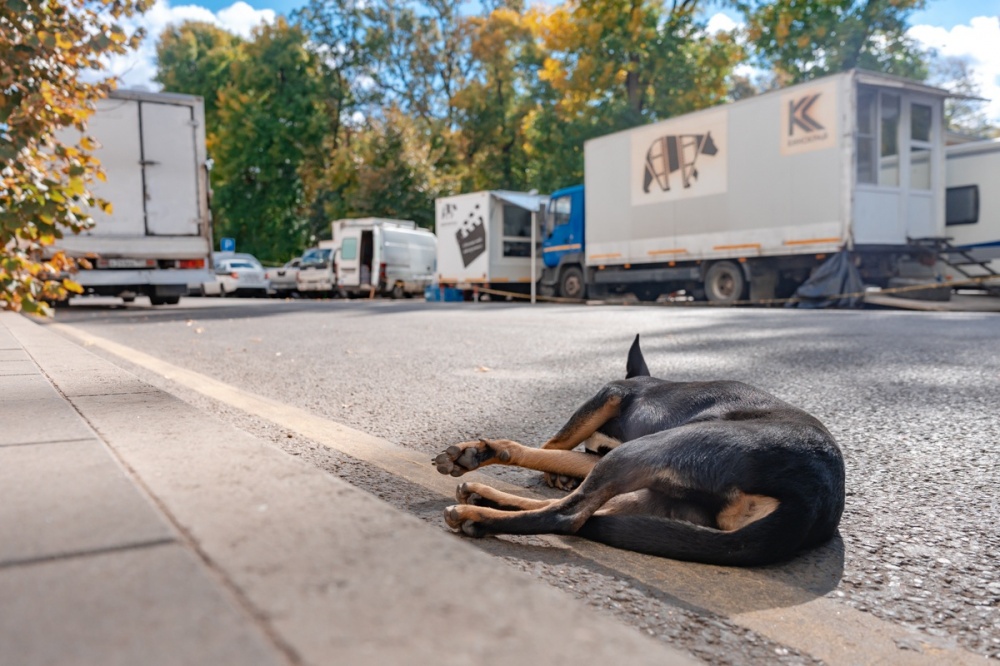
[{"x": 303, "y": 567}]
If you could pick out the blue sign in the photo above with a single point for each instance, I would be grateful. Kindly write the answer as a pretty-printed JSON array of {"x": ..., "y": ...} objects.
[{"x": 227, "y": 244}]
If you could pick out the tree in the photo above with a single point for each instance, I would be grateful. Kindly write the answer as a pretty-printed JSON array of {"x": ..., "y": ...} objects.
[
  {"x": 806, "y": 39},
  {"x": 195, "y": 58},
  {"x": 270, "y": 117},
  {"x": 964, "y": 113},
  {"x": 386, "y": 169},
  {"x": 493, "y": 107},
  {"x": 47, "y": 47}
]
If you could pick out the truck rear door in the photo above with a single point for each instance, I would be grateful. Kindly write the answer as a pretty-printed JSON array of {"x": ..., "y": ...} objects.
[
  {"x": 116, "y": 126},
  {"x": 170, "y": 169}
]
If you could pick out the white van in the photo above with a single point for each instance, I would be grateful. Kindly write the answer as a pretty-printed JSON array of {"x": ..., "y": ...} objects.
[{"x": 388, "y": 257}]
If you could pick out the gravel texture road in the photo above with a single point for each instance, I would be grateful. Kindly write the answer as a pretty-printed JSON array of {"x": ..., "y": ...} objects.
[{"x": 911, "y": 397}]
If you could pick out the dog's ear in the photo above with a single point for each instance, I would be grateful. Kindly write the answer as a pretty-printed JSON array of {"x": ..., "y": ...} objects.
[{"x": 636, "y": 365}]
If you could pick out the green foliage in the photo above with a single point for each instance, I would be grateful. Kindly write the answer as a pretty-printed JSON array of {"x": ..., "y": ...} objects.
[
  {"x": 45, "y": 47},
  {"x": 270, "y": 117},
  {"x": 803, "y": 40},
  {"x": 387, "y": 169},
  {"x": 195, "y": 58}
]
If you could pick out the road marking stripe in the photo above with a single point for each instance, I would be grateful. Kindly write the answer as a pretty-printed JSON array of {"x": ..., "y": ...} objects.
[{"x": 751, "y": 598}]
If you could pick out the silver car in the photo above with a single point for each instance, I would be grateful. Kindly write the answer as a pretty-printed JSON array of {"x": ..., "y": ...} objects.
[{"x": 282, "y": 280}]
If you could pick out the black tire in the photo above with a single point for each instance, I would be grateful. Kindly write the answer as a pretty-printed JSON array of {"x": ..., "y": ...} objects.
[
  {"x": 164, "y": 300},
  {"x": 571, "y": 283},
  {"x": 397, "y": 291},
  {"x": 724, "y": 283}
]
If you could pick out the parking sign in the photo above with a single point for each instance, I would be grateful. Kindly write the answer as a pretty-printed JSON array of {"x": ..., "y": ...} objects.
[{"x": 227, "y": 245}]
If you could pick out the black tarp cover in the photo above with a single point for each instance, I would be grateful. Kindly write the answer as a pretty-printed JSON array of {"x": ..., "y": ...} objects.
[{"x": 837, "y": 275}]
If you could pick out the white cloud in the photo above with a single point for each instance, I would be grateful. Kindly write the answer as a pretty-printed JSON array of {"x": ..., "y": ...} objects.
[
  {"x": 979, "y": 41},
  {"x": 720, "y": 21},
  {"x": 136, "y": 70}
]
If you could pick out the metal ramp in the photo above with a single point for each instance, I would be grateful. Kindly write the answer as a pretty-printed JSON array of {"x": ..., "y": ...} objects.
[{"x": 963, "y": 262}]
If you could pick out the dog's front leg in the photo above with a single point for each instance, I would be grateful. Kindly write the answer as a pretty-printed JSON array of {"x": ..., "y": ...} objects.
[{"x": 467, "y": 456}]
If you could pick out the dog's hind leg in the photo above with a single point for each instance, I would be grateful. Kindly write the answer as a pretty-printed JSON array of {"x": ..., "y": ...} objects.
[
  {"x": 608, "y": 480},
  {"x": 479, "y": 494}
]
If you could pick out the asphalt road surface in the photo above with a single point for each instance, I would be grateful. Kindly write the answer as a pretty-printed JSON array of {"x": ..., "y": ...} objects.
[{"x": 911, "y": 397}]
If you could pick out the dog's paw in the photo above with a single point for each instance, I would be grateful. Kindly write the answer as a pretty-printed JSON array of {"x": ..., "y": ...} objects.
[
  {"x": 456, "y": 518},
  {"x": 467, "y": 456},
  {"x": 465, "y": 494},
  {"x": 561, "y": 481}
]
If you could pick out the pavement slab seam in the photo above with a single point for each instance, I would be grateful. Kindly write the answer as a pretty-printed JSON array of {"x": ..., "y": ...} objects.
[
  {"x": 29, "y": 561},
  {"x": 49, "y": 441}
]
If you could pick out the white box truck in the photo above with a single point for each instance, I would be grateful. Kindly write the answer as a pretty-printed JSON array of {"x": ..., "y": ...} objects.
[
  {"x": 371, "y": 256},
  {"x": 484, "y": 239},
  {"x": 157, "y": 240},
  {"x": 748, "y": 199},
  {"x": 972, "y": 209}
]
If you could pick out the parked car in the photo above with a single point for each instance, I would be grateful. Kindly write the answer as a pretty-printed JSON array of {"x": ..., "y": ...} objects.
[
  {"x": 239, "y": 275},
  {"x": 317, "y": 273},
  {"x": 282, "y": 280}
]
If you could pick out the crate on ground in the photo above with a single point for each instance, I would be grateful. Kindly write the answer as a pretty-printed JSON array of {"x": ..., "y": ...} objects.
[{"x": 436, "y": 294}]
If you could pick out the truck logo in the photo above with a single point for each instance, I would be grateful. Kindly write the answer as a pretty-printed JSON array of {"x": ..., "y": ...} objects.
[
  {"x": 798, "y": 115},
  {"x": 668, "y": 154},
  {"x": 471, "y": 236}
]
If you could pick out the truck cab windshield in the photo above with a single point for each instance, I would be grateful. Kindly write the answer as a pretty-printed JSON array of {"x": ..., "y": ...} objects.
[{"x": 317, "y": 257}]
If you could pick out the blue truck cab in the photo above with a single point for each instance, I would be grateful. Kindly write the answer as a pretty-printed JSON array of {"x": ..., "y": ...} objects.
[{"x": 563, "y": 244}]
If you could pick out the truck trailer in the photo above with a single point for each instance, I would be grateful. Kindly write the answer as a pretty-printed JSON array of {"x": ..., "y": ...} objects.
[
  {"x": 747, "y": 199},
  {"x": 157, "y": 239},
  {"x": 484, "y": 240},
  {"x": 972, "y": 210}
]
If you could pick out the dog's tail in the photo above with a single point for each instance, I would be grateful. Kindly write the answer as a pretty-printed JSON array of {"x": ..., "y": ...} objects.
[{"x": 773, "y": 538}]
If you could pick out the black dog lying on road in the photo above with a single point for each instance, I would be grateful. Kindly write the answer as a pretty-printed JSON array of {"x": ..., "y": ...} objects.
[{"x": 717, "y": 472}]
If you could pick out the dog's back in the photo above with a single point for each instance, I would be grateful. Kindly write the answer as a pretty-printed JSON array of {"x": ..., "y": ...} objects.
[{"x": 720, "y": 439}]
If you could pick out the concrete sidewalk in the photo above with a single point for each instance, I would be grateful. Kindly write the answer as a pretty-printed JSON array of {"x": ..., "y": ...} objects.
[{"x": 136, "y": 529}]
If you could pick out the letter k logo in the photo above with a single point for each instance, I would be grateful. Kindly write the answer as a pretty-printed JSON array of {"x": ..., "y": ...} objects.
[{"x": 798, "y": 115}]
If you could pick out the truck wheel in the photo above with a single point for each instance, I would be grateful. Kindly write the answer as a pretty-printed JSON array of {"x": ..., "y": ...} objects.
[
  {"x": 724, "y": 282},
  {"x": 164, "y": 300},
  {"x": 397, "y": 291},
  {"x": 571, "y": 283}
]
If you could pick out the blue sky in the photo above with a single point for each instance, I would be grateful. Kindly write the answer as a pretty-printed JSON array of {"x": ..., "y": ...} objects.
[{"x": 960, "y": 28}]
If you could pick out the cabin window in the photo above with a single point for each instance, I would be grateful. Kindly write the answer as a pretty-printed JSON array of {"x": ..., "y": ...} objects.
[
  {"x": 867, "y": 152},
  {"x": 516, "y": 231},
  {"x": 921, "y": 117},
  {"x": 888, "y": 172},
  {"x": 961, "y": 205},
  {"x": 349, "y": 249},
  {"x": 878, "y": 138}
]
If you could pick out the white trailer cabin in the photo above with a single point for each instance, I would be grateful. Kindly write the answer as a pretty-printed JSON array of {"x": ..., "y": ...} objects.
[
  {"x": 772, "y": 185},
  {"x": 484, "y": 239},
  {"x": 157, "y": 240},
  {"x": 972, "y": 210}
]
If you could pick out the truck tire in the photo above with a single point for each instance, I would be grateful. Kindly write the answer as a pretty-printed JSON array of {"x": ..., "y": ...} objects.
[
  {"x": 724, "y": 282},
  {"x": 397, "y": 291},
  {"x": 164, "y": 300},
  {"x": 571, "y": 283}
]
